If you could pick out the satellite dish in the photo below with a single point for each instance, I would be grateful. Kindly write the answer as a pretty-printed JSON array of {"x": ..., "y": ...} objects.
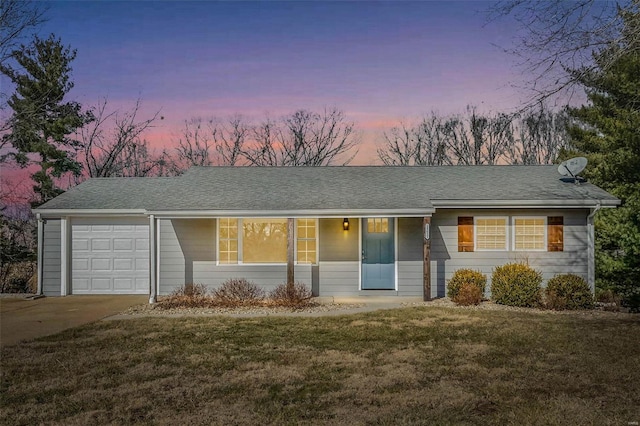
[{"x": 571, "y": 168}]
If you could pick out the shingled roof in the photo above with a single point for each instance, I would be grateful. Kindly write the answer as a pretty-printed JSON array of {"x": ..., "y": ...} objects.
[{"x": 349, "y": 189}]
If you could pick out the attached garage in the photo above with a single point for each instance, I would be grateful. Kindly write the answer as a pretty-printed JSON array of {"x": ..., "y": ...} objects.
[{"x": 109, "y": 256}]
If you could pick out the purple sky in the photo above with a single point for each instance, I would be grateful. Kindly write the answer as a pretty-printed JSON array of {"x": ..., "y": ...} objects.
[{"x": 378, "y": 62}]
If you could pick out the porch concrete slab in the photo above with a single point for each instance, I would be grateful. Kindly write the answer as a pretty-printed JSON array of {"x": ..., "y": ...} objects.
[
  {"x": 378, "y": 300},
  {"x": 25, "y": 319}
]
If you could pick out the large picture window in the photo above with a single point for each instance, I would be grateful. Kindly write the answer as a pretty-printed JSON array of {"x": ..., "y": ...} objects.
[
  {"x": 264, "y": 240},
  {"x": 529, "y": 233},
  {"x": 491, "y": 233}
]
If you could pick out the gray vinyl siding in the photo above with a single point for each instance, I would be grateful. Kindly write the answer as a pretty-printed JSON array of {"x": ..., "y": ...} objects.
[
  {"x": 337, "y": 245},
  {"x": 410, "y": 252},
  {"x": 339, "y": 278},
  {"x": 51, "y": 274},
  {"x": 445, "y": 258},
  {"x": 188, "y": 255},
  {"x": 339, "y": 258}
]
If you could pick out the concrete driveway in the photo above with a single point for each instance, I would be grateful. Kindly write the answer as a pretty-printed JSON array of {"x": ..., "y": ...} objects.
[{"x": 24, "y": 319}]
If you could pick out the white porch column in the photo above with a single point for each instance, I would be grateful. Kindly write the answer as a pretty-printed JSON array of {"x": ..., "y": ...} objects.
[
  {"x": 153, "y": 270},
  {"x": 40, "y": 252},
  {"x": 64, "y": 255}
]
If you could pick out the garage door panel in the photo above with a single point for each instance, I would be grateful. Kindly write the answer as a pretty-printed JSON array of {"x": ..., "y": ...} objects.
[
  {"x": 110, "y": 255},
  {"x": 142, "y": 264},
  {"x": 101, "y": 264},
  {"x": 123, "y": 284},
  {"x": 100, "y": 244},
  {"x": 80, "y": 244},
  {"x": 120, "y": 265},
  {"x": 142, "y": 285},
  {"x": 80, "y": 265},
  {"x": 142, "y": 244},
  {"x": 80, "y": 284},
  {"x": 123, "y": 244},
  {"x": 101, "y": 283}
]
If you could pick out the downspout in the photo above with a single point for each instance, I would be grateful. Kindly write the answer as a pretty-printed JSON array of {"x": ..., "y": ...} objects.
[
  {"x": 153, "y": 279},
  {"x": 40, "y": 266},
  {"x": 591, "y": 248}
]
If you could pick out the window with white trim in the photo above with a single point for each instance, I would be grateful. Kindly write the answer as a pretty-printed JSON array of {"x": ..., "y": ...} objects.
[
  {"x": 264, "y": 240},
  {"x": 530, "y": 233},
  {"x": 306, "y": 241},
  {"x": 228, "y": 241},
  {"x": 490, "y": 233}
]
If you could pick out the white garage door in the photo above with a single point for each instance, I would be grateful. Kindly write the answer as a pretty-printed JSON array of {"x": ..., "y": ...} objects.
[{"x": 110, "y": 256}]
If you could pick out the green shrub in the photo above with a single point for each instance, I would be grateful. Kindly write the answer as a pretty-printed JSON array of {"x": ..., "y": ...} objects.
[
  {"x": 568, "y": 291},
  {"x": 466, "y": 276},
  {"x": 187, "y": 296},
  {"x": 468, "y": 294},
  {"x": 516, "y": 284},
  {"x": 608, "y": 299},
  {"x": 238, "y": 292},
  {"x": 296, "y": 296}
]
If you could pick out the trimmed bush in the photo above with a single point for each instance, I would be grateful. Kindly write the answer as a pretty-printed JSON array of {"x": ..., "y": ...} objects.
[
  {"x": 468, "y": 294},
  {"x": 238, "y": 292},
  {"x": 568, "y": 291},
  {"x": 516, "y": 284},
  {"x": 297, "y": 296},
  {"x": 187, "y": 296},
  {"x": 608, "y": 299},
  {"x": 466, "y": 276}
]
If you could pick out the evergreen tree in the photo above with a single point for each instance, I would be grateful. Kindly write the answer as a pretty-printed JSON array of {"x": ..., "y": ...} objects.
[
  {"x": 42, "y": 121},
  {"x": 608, "y": 133}
]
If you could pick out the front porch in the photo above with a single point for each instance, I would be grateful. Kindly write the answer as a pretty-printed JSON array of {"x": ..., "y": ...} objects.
[{"x": 334, "y": 256}]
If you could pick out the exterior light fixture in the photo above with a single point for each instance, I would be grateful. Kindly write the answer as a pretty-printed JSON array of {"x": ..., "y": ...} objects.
[{"x": 345, "y": 224}]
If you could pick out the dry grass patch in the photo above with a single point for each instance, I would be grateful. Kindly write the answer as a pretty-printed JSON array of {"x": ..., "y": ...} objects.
[{"x": 405, "y": 366}]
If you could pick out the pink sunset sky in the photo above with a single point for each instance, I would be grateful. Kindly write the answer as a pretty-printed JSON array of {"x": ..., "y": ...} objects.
[{"x": 379, "y": 62}]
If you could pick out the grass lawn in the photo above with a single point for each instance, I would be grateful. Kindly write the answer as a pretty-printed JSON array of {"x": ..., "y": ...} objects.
[{"x": 403, "y": 366}]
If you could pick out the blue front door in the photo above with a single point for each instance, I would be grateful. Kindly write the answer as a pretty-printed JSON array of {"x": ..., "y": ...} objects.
[{"x": 378, "y": 254}]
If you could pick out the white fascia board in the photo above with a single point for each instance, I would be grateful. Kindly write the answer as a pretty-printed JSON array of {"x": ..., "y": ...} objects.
[
  {"x": 540, "y": 204},
  {"x": 294, "y": 213},
  {"x": 53, "y": 213}
]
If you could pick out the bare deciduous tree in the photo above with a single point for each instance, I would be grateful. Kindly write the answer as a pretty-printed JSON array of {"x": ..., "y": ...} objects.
[
  {"x": 557, "y": 37},
  {"x": 216, "y": 142},
  {"x": 17, "y": 238},
  {"x": 541, "y": 135},
  {"x": 194, "y": 146},
  {"x": 474, "y": 139},
  {"x": 304, "y": 138},
  {"x": 477, "y": 139},
  {"x": 421, "y": 145},
  {"x": 112, "y": 144},
  {"x": 17, "y": 19}
]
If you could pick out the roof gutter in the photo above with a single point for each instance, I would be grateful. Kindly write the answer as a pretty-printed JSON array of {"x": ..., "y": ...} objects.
[
  {"x": 492, "y": 204},
  {"x": 52, "y": 213},
  {"x": 294, "y": 213}
]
